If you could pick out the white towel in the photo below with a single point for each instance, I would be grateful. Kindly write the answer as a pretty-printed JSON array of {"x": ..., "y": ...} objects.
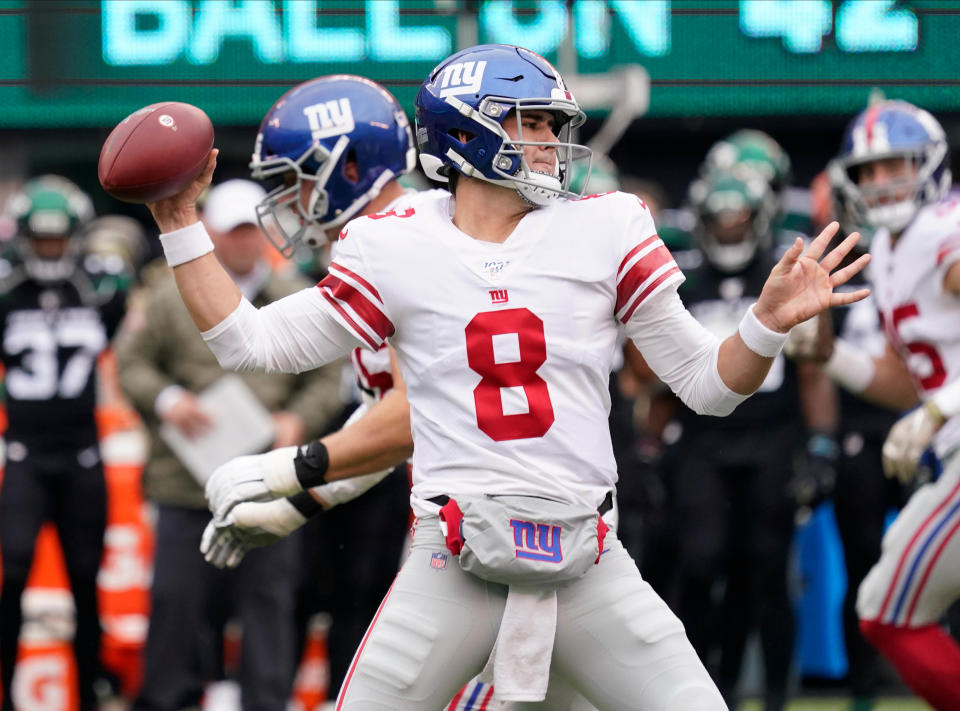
[{"x": 519, "y": 665}]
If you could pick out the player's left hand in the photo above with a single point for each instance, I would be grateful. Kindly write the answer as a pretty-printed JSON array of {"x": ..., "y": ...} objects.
[
  {"x": 801, "y": 284},
  {"x": 257, "y": 477},
  {"x": 248, "y": 525},
  {"x": 908, "y": 438},
  {"x": 221, "y": 547}
]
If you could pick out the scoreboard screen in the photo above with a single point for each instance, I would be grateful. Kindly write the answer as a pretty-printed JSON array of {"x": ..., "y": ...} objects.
[{"x": 89, "y": 62}]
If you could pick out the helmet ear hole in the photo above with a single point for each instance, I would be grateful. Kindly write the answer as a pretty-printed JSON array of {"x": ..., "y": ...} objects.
[
  {"x": 461, "y": 135},
  {"x": 351, "y": 169}
]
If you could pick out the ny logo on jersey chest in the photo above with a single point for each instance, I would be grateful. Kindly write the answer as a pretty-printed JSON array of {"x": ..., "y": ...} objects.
[
  {"x": 499, "y": 296},
  {"x": 537, "y": 541},
  {"x": 330, "y": 118}
]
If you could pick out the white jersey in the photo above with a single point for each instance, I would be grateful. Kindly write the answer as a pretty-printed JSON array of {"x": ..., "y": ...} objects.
[
  {"x": 505, "y": 348},
  {"x": 372, "y": 367},
  {"x": 921, "y": 319}
]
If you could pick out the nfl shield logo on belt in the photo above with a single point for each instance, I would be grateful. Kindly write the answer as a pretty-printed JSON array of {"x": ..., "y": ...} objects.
[{"x": 438, "y": 560}]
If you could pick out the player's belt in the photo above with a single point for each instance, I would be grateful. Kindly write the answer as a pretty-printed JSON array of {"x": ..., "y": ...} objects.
[{"x": 602, "y": 509}]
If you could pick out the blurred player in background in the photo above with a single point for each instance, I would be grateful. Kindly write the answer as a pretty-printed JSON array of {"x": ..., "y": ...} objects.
[
  {"x": 455, "y": 274},
  {"x": 861, "y": 498},
  {"x": 328, "y": 177},
  {"x": 57, "y": 318},
  {"x": 164, "y": 365},
  {"x": 735, "y": 479},
  {"x": 893, "y": 174}
]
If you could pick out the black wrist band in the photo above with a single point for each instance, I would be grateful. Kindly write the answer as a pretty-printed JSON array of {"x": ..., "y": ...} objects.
[
  {"x": 311, "y": 464},
  {"x": 305, "y": 504}
]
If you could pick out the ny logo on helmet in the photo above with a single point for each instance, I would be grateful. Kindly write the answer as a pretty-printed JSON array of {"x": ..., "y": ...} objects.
[
  {"x": 461, "y": 78},
  {"x": 330, "y": 118}
]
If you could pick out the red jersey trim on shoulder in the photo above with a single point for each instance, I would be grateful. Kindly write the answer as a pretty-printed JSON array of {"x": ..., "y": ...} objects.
[
  {"x": 357, "y": 278},
  {"x": 645, "y": 268},
  {"x": 644, "y": 243},
  {"x": 650, "y": 288},
  {"x": 347, "y": 295},
  {"x": 408, "y": 212},
  {"x": 351, "y": 324},
  {"x": 596, "y": 195},
  {"x": 949, "y": 245}
]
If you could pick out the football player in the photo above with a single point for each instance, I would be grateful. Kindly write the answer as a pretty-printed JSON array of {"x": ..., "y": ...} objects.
[
  {"x": 893, "y": 174},
  {"x": 504, "y": 341},
  {"x": 56, "y": 317},
  {"x": 734, "y": 480}
]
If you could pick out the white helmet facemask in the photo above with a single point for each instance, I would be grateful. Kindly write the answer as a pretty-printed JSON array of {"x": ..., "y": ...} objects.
[{"x": 536, "y": 187}]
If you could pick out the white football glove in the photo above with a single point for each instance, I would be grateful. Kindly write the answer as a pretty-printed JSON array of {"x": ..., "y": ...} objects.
[
  {"x": 257, "y": 477},
  {"x": 248, "y": 525},
  {"x": 220, "y": 547},
  {"x": 907, "y": 440}
]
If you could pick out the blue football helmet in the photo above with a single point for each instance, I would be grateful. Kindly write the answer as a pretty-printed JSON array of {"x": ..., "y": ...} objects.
[
  {"x": 891, "y": 129},
  {"x": 472, "y": 92},
  {"x": 308, "y": 137}
]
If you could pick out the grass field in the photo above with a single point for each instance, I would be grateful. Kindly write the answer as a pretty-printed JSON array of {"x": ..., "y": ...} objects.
[{"x": 889, "y": 704}]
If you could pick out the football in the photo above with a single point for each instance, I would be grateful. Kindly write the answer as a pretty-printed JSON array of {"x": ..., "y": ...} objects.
[{"x": 155, "y": 152}]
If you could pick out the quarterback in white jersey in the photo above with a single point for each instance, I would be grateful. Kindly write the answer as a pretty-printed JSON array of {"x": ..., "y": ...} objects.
[
  {"x": 893, "y": 174},
  {"x": 503, "y": 327}
]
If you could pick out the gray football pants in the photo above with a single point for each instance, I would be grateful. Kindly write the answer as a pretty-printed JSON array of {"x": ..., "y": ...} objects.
[{"x": 617, "y": 642}]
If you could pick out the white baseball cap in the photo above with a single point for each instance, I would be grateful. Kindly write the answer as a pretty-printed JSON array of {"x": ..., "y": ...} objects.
[{"x": 232, "y": 203}]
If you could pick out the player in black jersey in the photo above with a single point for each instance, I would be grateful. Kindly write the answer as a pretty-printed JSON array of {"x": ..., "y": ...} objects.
[
  {"x": 732, "y": 476},
  {"x": 55, "y": 320}
]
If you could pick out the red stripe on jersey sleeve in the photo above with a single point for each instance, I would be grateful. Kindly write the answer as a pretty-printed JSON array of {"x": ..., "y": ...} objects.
[
  {"x": 359, "y": 279},
  {"x": 644, "y": 243},
  {"x": 354, "y": 326},
  {"x": 639, "y": 273},
  {"x": 381, "y": 380},
  {"x": 364, "y": 308},
  {"x": 950, "y": 245},
  {"x": 646, "y": 292}
]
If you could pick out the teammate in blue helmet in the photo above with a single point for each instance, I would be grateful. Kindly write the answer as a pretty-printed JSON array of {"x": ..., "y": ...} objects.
[
  {"x": 461, "y": 110},
  {"x": 336, "y": 141},
  {"x": 904, "y": 150}
]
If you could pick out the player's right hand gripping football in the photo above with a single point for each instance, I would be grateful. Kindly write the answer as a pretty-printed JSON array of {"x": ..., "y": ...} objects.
[
  {"x": 248, "y": 525},
  {"x": 181, "y": 209},
  {"x": 256, "y": 477}
]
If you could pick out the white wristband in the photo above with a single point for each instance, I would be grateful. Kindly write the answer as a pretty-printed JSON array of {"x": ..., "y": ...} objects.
[
  {"x": 758, "y": 338},
  {"x": 186, "y": 244},
  {"x": 850, "y": 367}
]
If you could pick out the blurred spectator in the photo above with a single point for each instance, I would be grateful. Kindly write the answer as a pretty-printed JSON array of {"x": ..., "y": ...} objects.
[
  {"x": 734, "y": 480},
  {"x": 57, "y": 317},
  {"x": 163, "y": 365},
  {"x": 116, "y": 244}
]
